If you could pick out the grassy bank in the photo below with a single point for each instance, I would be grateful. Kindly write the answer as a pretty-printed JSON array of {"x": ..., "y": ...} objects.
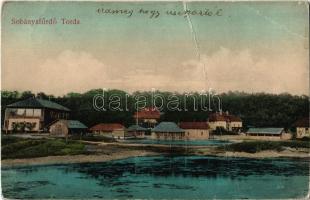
[
  {"x": 93, "y": 138},
  {"x": 257, "y": 146},
  {"x": 13, "y": 147}
]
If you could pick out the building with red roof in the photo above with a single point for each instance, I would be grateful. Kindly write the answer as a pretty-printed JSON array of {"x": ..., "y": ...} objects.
[
  {"x": 225, "y": 121},
  {"x": 147, "y": 117},
  {"x": 114, "y": 130},
  {"x": 302, "y": 127},
  {"x": 195, "y": 130}
]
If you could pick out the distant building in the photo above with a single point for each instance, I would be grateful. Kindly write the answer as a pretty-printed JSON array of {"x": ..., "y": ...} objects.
[
  {"x": 195, "y": 130},
  {"x": 302, "y": 127},
  {"x": 168, "y": 131},
  {"x": 147, "y": 117},
  {"x": 234, "y": 123},
  {"x": 136, "y": 131},
  {"x": 33, "y": 115},
  {"x": 217, "y": 121},
  {"x": 67, "y": 127},
  {"x": 268, "y": 133},
  {"x": 225, "y": 121},
  {"x": 113, "y": 130}
]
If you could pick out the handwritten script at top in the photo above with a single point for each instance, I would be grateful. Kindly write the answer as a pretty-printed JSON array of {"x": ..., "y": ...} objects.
[{"x": 152, "y": 14}]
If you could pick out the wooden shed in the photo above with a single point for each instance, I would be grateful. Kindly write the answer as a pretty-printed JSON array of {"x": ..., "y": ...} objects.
[{"x": 67, "y": 127}]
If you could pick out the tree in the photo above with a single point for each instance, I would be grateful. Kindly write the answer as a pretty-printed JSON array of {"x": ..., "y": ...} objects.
[{"x": 27, "y": 95}]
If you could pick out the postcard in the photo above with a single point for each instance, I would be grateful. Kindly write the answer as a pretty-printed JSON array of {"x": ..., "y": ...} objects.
[{"x": 155, "y": 100}]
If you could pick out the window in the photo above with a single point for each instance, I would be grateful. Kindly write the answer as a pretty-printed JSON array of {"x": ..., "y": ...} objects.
[
  {"x": 20, "y": 111},
  {"x": 37, "y": 112},
  {"x": 29, "y": 112},
  {"x": 201, "y": 133}
]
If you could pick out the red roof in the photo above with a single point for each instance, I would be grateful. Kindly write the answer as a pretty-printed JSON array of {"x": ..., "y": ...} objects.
[
  {"x": 216, "y": 117},
  {"x": 232, "y": 118},
  {"x": 107, "y": 127},
  {"x": 147, "y": 113},
  {"x": 194, "y": 125},
  {"x": 304, "y": 122},
  {"x": 224, "y": 117}
]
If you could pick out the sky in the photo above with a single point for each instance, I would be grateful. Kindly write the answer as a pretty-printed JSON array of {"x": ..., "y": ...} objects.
[{"x": 251, "y": 47}]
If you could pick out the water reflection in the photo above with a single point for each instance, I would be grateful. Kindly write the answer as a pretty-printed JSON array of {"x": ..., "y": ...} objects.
[
  {"x": 193, "y": 167},
  {"x": 161, "y": 176}
]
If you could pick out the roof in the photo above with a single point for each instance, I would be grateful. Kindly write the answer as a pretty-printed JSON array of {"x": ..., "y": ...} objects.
[
  {"x": 276, "y": 131},
  {"x": 147, "y": 113},
  {"x": 224, "y": 117},
  {"x": 107, "y": 127},
  {"x": 72, "y": 124},
  {"x": 216, "y": 117},
  {"x": 194, "y": 125},
  {"x": 37, "y": 103},
  {"x": 168, "y": 127},
  {"x": 136, "y": 128},
  {"x": 304, "y": 122},
  {"x": 232, "y": 118}
]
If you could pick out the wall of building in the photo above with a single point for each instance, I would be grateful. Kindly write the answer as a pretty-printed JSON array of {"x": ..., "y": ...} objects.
[
  {"x": 302, "y": 132},
  {"x": 59, "y": 129},
  {"x": 213, "y": 125},
  {"x": 51, "y": 115},
  {"x": 137, "y": 134},
  {"x": 234, "y": 125},
  {"x": 196, "y": 134},
  {"x": 118, "y": 134},
  {"x": 285, "y": 136},
  {"x": 103, "y": 133},
  {"x": 168, "y": 136},
  {"x": 34, "y": 121}
]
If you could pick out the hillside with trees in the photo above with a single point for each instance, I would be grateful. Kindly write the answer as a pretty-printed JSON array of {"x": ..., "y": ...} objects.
[{"x": 257, "y": 109}]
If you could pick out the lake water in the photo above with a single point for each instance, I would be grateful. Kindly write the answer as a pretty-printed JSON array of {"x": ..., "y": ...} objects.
[
  {"x": 179, "y": 142},
  {"x": 158, "y": 177}
]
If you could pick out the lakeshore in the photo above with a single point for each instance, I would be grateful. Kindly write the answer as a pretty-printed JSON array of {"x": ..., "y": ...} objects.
[{"x": 102, "y": 152}]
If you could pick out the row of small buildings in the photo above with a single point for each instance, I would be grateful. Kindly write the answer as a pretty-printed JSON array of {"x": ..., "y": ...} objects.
[{"x": 38, "y": 115}]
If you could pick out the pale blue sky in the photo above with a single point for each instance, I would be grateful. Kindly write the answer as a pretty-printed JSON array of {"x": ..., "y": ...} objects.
[{"x": 124, "y": 50}]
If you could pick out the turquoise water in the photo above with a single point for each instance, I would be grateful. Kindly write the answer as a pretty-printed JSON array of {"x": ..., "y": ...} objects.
[
  {"x": 178, "y": 142},
  {"x": 161, "y": 177}
]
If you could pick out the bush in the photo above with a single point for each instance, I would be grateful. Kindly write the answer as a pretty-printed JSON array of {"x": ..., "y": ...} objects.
[
  {"x": 28, "y": 148},
  {"x": 257, "y": 146},
  {"x": 93, "y": 138}
]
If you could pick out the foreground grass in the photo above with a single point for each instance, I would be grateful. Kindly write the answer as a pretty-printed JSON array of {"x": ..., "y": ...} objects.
[
  {"x": 93, "y": 138},
  {"x": 13, "y": 147},
  {"x": 257, "y": 146}
]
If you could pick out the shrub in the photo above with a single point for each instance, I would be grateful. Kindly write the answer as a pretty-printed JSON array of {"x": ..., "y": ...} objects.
[
  {"x": 257, "y": 146},
  {"x": 28, "y": 148}
]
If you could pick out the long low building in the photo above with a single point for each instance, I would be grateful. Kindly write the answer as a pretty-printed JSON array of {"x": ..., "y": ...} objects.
[
  {"x": 268, "y": 133},
  {"x": 168, "y": 131}
]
